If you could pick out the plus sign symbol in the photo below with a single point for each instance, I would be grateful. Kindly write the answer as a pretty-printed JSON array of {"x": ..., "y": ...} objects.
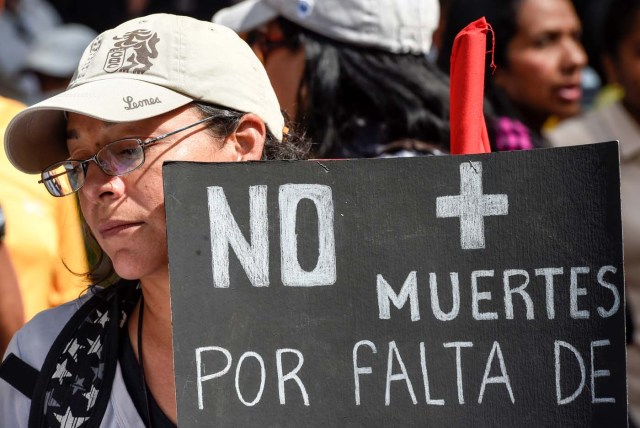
[{"x": 472, "y": 206}]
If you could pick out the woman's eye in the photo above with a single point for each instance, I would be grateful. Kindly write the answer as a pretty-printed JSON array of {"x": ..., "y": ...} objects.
[
  {"x": 126, "y": 152},
  {"x": 545, "y": 40}
]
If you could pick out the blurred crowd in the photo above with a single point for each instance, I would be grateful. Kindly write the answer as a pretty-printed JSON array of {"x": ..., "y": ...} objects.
[{"x": 559, "y": 72}]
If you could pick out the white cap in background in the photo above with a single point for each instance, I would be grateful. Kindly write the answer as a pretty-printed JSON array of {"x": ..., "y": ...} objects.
[
  {"x": 58, "y": 50},
  {"x": 397, "y": 26}
]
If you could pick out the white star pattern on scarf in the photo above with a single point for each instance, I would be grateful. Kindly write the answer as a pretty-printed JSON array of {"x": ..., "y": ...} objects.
[
  {"x": 49, "y": 400},
  {"x": 102, "y": 318},
  {"x": 97, "y": 371},
  {"x": 96, "y": 346},
  {"x": 69, "y": 421},
  {"x": 78, "y": 385},
  {"x": 73, "y": 349},
  {"x": 91, "y": 397},
  {"x": 61, "y": 372}
]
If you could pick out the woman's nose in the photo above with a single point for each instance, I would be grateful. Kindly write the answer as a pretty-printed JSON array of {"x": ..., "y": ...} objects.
[
  {"x": 574, "y": 56},
  {"x": 99, "y": 186}
]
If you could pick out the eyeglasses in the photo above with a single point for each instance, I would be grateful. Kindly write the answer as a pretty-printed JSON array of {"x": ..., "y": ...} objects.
[
  {"x": 117, "y": 158},
  {"x": 264, "y": 44}
]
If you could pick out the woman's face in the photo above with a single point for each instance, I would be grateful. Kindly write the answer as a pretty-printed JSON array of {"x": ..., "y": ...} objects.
[
  {"x": 284, "y": 66},
  {"x": 126, "y": 214},
  {"x": 544, "y": 61},
  {"x": 625, "y": 68}
]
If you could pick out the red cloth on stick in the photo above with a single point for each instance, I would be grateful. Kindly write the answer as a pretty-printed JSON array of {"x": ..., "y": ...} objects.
[{"x": 468, "y": 128}]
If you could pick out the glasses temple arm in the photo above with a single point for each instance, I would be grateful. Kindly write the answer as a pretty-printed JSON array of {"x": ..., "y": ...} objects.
[{"x": 184, "y": 128}]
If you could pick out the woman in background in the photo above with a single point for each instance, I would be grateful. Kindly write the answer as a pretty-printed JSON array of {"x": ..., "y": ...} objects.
[
  {"x": 354, "y": 74},
  {"x": 539, "y": 61}
]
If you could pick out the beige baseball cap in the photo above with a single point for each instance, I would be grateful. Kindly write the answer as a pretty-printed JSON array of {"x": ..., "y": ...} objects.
[
  {"x": 398, "y": 26},
  {"x": 143, "y": 68}
]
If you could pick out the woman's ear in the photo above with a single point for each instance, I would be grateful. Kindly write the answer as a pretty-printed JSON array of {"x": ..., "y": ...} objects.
[{"x": 248, "y": 138}]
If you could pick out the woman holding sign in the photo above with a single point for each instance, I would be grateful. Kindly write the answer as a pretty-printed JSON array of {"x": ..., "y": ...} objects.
[{"x": 153, "y": 89}]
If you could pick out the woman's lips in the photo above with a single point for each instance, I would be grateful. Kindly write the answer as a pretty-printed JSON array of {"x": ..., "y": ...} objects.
[
  {"x": 571, "y": 93},
  {"x": 116, "y": 227}
]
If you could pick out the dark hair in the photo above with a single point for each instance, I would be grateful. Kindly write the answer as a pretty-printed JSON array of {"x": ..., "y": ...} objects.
[
  {"x": 294, "y": 146},
  {"x": 618, "y": 23},
  {"x": 502, "y": 15},
  {"x": 505, "y": 28},
  {"x": 349, "y": 93},
  {"x": 504, "y": 22}
]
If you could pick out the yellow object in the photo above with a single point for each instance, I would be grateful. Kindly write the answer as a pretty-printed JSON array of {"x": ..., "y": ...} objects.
[
  {"x": 43, "y": 233},
  {"x": 608, "y": 95},
  {"x": 550, "y": 123}
]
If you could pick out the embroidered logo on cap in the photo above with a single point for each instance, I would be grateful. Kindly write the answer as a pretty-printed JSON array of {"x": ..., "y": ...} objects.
[
  {"x": 93, "y": 50},
  {"x": 132, "y": 53}
]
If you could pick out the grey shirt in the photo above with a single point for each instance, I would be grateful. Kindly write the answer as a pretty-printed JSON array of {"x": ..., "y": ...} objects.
[{"x": 31, "y": 344}]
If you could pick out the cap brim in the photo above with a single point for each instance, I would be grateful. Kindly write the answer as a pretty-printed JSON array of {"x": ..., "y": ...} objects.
[
  {"x": 245, "y": 16},
  {"x": 36, "y": 137}
]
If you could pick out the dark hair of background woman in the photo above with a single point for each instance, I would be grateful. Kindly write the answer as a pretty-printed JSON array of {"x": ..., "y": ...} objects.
[{"x": 355, "y": 101}]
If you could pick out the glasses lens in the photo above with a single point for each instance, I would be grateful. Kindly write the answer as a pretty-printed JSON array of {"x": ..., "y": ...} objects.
[
  {"x": 63, "y": 178},
  {"x": 121, "y": 157}
]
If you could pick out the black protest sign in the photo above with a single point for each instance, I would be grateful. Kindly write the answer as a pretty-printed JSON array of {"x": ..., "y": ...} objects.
[{"x": 450, "y": 291}]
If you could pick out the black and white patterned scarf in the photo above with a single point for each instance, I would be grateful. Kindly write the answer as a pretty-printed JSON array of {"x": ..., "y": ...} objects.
[{"x": 74, "y": 385}]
